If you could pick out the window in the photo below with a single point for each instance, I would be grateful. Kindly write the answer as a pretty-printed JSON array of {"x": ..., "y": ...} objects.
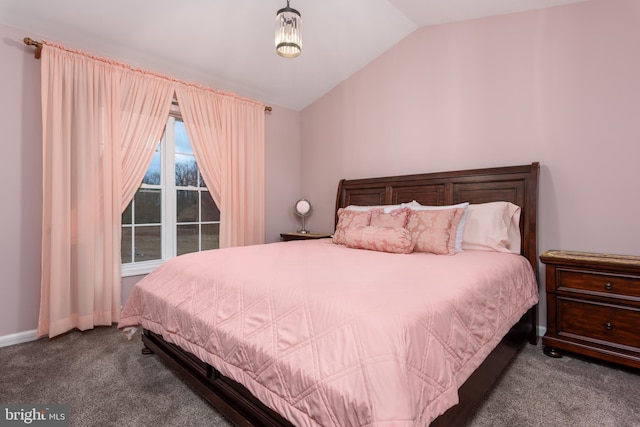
[{"x": 172, "y": 213}]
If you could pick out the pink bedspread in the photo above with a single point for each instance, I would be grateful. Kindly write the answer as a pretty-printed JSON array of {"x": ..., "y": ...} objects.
[{"x": 332, "y": 336}]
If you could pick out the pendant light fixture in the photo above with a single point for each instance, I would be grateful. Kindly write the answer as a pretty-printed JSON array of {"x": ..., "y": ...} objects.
[{"x": 288, "y": 32}]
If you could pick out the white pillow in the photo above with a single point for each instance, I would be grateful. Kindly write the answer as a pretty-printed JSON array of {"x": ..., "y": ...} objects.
[
  {"x": 386, "y": 208},
  {"x": 461, "y": 224},
  {"x": 493, "y": 226}
]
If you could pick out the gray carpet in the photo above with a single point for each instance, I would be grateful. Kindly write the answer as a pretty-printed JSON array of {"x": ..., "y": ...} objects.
[{"x": 107, "y": 381}]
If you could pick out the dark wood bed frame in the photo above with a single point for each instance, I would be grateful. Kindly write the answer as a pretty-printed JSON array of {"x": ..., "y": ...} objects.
[{"x": 516, "y": 184}]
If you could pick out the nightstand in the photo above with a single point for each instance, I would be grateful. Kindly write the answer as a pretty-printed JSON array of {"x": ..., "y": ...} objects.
[
  {"x": 593, "y": 306},
  {"x": 285, "y": 237}
]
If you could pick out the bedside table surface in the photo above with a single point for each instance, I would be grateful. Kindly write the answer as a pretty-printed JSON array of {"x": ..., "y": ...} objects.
[
  {"x": 296, "y": 235},
  {"x": 311, "y": 235},
  {"x": 589, "y": 256}
]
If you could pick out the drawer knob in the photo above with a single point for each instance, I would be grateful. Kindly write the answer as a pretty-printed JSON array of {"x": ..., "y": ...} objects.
[
  {"x": 608, "y": 286},
  {"x": 608, "y": 326}
]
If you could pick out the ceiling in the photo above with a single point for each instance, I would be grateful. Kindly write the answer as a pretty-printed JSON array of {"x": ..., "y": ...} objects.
[{"x": 229, "y": 44}]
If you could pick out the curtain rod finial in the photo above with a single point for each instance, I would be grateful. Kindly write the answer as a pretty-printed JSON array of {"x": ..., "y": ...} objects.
[{"x": 30, "y": 42}]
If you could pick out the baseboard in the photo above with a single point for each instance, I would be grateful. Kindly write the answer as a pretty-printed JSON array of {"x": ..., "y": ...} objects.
[
  {"x": 541, "y": 331},
  {"x": 18, "y": 338}
]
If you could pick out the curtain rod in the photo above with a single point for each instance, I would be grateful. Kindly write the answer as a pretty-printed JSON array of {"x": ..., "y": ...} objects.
[{"x": 30, "y": 42}]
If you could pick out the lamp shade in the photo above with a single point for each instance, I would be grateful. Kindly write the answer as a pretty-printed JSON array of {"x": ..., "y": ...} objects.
[{"x": 288, "y": 32}]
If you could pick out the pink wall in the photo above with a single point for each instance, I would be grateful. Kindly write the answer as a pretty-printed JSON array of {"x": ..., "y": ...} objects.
[
  {"x": 560, "y": 86},
  {"x": 283, "y": 171},
  {"x": 21, "y": 178},
  {"x": 20, "y": 220}
]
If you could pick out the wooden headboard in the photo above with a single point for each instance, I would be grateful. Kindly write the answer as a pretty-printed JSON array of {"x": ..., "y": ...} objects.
[{"x": 515, "y": 184}]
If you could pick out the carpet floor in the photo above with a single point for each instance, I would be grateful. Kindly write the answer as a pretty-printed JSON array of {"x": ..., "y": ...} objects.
[{"x": 106, "y": 381}]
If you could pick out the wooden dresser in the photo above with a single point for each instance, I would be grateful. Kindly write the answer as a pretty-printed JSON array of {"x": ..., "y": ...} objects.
[{"x": 593, "y": 306}]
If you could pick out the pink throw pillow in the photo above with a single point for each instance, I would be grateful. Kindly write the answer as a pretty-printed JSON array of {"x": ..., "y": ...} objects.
[
  {"x": 395, "y": 240},
  {"x": 434, "y": 231},
  {"x": 394, "y": 218},
  {"x": 349, "y": 219}
]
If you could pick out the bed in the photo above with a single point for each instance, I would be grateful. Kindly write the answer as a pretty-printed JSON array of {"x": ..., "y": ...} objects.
[{"x": 226, "y": 363}]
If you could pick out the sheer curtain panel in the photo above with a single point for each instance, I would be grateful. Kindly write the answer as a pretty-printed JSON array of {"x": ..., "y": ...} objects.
[
  {"x": 146, "y": 101},
  {"x": 227, "y": 137},
  {"x": 101, "y": 122},
  {"x": 81, "y": 198}
]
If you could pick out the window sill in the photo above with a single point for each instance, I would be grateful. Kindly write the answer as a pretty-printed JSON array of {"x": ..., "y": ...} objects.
[{"x": 140, "y": 268}]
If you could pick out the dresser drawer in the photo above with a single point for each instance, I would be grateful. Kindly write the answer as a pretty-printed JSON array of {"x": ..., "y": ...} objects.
[
  {"x": 598, "y": 322},
  {"x": 601, "y": 283}
]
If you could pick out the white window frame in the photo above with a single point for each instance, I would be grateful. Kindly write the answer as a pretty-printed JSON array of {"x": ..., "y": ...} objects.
[{"x": 168, "y": 215}]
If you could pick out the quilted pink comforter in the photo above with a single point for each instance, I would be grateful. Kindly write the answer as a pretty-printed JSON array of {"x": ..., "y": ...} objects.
[{"x": 332, "y": 336}]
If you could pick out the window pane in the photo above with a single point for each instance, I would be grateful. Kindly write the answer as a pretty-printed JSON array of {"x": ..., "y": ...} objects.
[
  {"x": 182, "y": 140},
  {"x": 186, "y": 171},
  {"x": 147, "y": 202},
  {"x": 125, "y": 245},
  {"x": 153, "y": 173},
  {"x": 210, "y": 236},
  {"x": 126, "y": 215},
  {"x": 200, "y": 180},
  {"x": 210, "y": 211},
  {"x": 148, "y": 243},
  {"x": 187, "y": 206},
  {"x": 187, "y": 239}
]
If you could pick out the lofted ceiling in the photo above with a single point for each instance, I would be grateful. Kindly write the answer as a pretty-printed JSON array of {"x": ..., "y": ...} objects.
[{"x": 229, "y": 44}]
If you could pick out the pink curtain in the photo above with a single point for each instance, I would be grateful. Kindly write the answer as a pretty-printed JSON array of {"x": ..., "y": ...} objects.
[
  {"x": 227, "y": 136},
  {"x": 81, "y": 198},
  {"x": 146, "y": 101},
  {"x": 101, "y": 124}
]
